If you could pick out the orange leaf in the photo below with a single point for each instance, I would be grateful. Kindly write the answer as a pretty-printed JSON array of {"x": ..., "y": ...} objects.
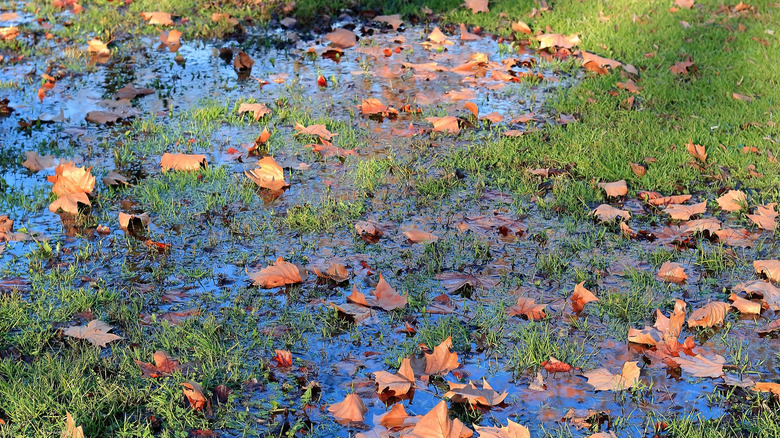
[
  {"x": 182, "y": 161},
  {"x": 342, "y": 38},
  {"x": 580, "y": 297},
  {"x": 528, "y": 308},
  {"x": 351, "y": 409},
  {"x": 438, "y": 424},
  {"x": 712, "y": 314},
  {"x": 281, "y": 273},
  {"x": 697, "y": 151},
  {"x": 615, "y": 189},
  {"x": 733, "y": 200},
  {"x": 672, "y": 272}
]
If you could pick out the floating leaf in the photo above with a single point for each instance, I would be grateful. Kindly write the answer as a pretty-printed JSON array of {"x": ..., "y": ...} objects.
[
  {"x": 96, "y": 332},
  {"x": 281, "y": 273},
  {"x": 351, "y": 409}
]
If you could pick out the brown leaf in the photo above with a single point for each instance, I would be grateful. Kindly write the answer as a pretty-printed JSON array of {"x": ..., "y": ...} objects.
[
  {"x": 598, "y": 61},
  {"x": 520, "y": 26},
  {"x": 444, "y": 124},
  {"x": 396, "y": 417},
  {"x": 606, "y": 213},
  {"x": 742, "y": 97},
  {"x": 672, "y": 272},
  {"x": 351, "y": 409},
  {"x": 70, "y": 203},
  {"x": 283, "y": 358},
  {"x": 115, "y": 178},
  {"x": 342, "y": 38},
  {"x": 745, "y": 306},
  {"x": 96, "y": 332},
  {"x": 159, "y": 18},
  {"x": 638, "y": 169},
  {"x": 472, "y": 107},
  {"x": 243, "y": 64},
  {"x": 259, "y": 110},
  {"x": 765, "y": 290},
  {"x": 438, "y": 37},
  {"x": 399, "y": 383},
  {"x": 685, "y": 4},
  {"x": 697, "y": 151},
  {"x": 774, "y": 388},
  {"x": 393, "y": 20},
  {"x": 71, "y": 430},
  {"x": 182, "y": 161},
  {"x": 318, "y": 130},
  {"x": 711, "y": 225},
  {"x": 437, "y": 424},
  {"x": 336, "y": 272},
  {"x": 769, "y": 268},
  {"x": 35, "y": 163},
  {"x": 732, "y": 237},
  {"x": 684, "y": 212},
  {"x": 454, "y": 281},
  {"x": 553, "y": 40},
  {"x": 134, "y": 222},
  {"x": 528, "y": 308},
  {"x": 769, "y": 328},
  {"x": 281, "y": 273},
  {"x": 712, "y": 314},
  {"x": 370, "y": 231},
  {"x": 375, "y": 106},
  {"x": 472, "y": 394},
  {"x": 511, "y": 430},
  {"x": 164, "y": 365},
  {"x": 615, "y": 189},
  {"x": 733, "y": 200},
  {"x": 477, "y": 5},
  {"x": 268, "y": 174},
  {"x": 386, "y": 297},
  {"x": 581, "y": 296},
  {"x": 328, "y": 150},
  {"x": 68, "y": 179},
  {"x": 416, "y": 235},
  {"x": 682, "y": 67},
  {"x": 603, "y": 380},
  {"x": 442, "y": 360},
  {"x": 553, "y": 365},
  {"x": 765, "y": 217},
  {"x": 196, "y": 397},
  {"x": 701, "y": 366},
  {"x": 667, "y": 200},
  {"x": 97, "y": 47}
]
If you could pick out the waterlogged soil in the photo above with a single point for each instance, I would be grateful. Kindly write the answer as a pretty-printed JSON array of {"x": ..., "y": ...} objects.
[{"x": 220, "y": 227}]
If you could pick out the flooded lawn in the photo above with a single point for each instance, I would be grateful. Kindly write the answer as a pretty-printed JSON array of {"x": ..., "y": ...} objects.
[{"x": 351, "y": 230}]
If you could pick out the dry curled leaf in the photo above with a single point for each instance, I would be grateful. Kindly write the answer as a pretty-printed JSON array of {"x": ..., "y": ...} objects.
[
  {"x": 281, "y": 273},
  {"x": 318, "y": 130},
  {"x": 581, "y": 296},
  {"x": 416, "y": 235},
  {"x": 712, "y": 314},
  {"x": 196, "y": 397},
  {"x": 769, "y": 268},
  {"x": 672, "y": 272},
  {"x": 477, "y": 6},
  {"x": 164, "y": 365},
  {"x": 170, "y": 161},
  {"x": 528, "y": 308},
  {"x": 268, "y": 174},
  {"x": 258, "y": 110},
  {"x": 399, "y": 383},
  {"x": 351, "y": 409},
  {"x": 444, "y": 124},
  {"x": 342, "y": 38},
  {"x": 554, "y": 40},
  {"x": 71, "y": 430},
  {"x": 158, "y": 18},
  {"x": 96, "y": 332},
  {"x": 697, "y": 151},
  {"x": 745, "y": 306},
  {"x": 473, "y": 394},
  {"x": 606, "y": 213}
]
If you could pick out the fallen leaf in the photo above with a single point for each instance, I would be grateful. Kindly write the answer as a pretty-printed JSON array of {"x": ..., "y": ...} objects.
[
  {"x": 268, "y": 174},
  {"x": 442, "y": 360},
  {"x": 243, "y": 64},
  {"x": 158, "y": 18},
  {"x": 335, "y": 271},
  {"x": 444, "y": 124},
  {"x": 259, "y": 110},
  {"x": 393, "y": 20},
  {"x": 672, "y": 272},
  {"x": 472, "y": 394},
  {"x": 351, "y": 409},
  {"x": 342, "y": 38},
  {"x": 164, "y": 365},
  {"x": 96, "y": 332},
  {"x": 733, "y": 200},
  {"x": 745, "y": 306},
  {"x": 581, "y": 296},
  {"x": 685, "y": 4},
  {"x": 763, "y": 289},
  {"x": 602, "y": 379},
  {"x": 769, "y": 328},
  {"x": 318, "y": 130},
  {"x": 35, "y": 163},
  {"x": 281, "y": 273},
  {"x": 667, "y": 200},
  {"x": 681, "y": 67},
  {"x": 69, "y": 179},
  {"x": 701, "y": 366},
  {"x": 454, "y": 281},
  {"x": 615, "y": 189},
  {"x": 606, "y": 213},
  {"x": 553, "y": 366},
  {"x": 741, "y": 97},
  {"x": 70, "y": 203},
  {"x": 520, "y": 26},
  {"x": 98, "y": 48},
  {"x": 769, "y": 268},
  {"x": 477, "y": 6},
  {"x": 283, "y": 358},
  {"x": 370, "y": 231},
  {"x": 416, "y": 235},
  {"x": 399, "y": 383},
  {"x": 438, "y": 424},
  {"x": 684, "y": 212},
  {"x": 396, "y": 417},
  {"x": 115, "y": 178},
  {"x": 196, "y": 397},
  {"x": 772, "y": 387},
  {"x": 386, "y": 297},
  {"x": 438, "y": 37},
  {"x": 528, "y": 308},
  {"x": 71, "y": 430},
  {"x": 733, "y": 237},
  {"x": 553, "y": 40},
  {"x": 134, "y": 222},
  {"x": 765, "y": 217},
  {"x": 188, "y": 162},
  {"x": 712, "y": 314}
]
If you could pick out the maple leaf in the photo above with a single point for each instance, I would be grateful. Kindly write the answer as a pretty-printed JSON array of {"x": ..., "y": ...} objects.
[
  {"x": 370, "y": 231},
  {"x": 69, "y": 179},
  {"x": 767, "y": 291},
  {"x": 268, "y": 174},
  {"x": 283, "y": 358},
  {"x": 680, "y": 68},
  {"x": 438, "y": 424},
  {"x": 396, "y": 417},
  {"x": 465, "y": 35},
  {"x": 741, "y": 238},
  {"x": 438, "y": 37},
  {"x": 685, "y": 4},
  {"x": 711, "y": 225},
  {"x": 158, "y": 18},
  {"x": 171, "y": 39},
  {"x": 259, "y": 110},
  {"x": 35, "y": 163},
  {"x": 672, "y": 272},
  {"x": 351, "y": 409},
  {"x": 580, "y": 297},
  {"x": 196, "y": 397},
  {"x": 528, "y": 308},
  {"x": 774, "y": 388},
  {"x": 318, "y": 130},
  {"x": 71, "y": 430},
  {"x": 629, "y": 86},
  {"x": 477, "y": 6},
  {"x": 399, "y": 383},
  {"x": 335, "y": 271},
  {"x": 386, "y": 297},
  {"x": 134, "y": 222},
  {"x": 375, "y": 106},
  {"x": 553, "y": 40},
  {"x": 745, "y": 306},
  {"x": 444, "y": 124},
  {"x": 615, "y": 189},
  {"x": 597, "y": 63},
  {"x": 416, "y": 235},
  {"x": 470, "y": 393},
  {"x": 769, "y": 268},
  {"x": 342, "y": 38},
  {"x": 701, "y": 366},
  {"x": 186, "y": 162},
  {"x": 164, "y": 365},
  {"x": 393, "y": 20},
  {"x": 70, "y": 203},
  {"x": 603, "y": 380},
  {"x": 454, "y": 281},
  {"x": 606, "y": 213},
  {"x": 684, "y": 212},
  {"x": 96, "y": 332},
  {"x": 520, "y": 26},
  {"x": 441, "y": 360},
  {"x": 98, "y": 48},
  {"x": 664, "y": 200},
  {"x": 733, "y": 200},
  {"x": 765, "y": 217},
  {"x": 281, "y": 273},
  {"x": 243, "y": 64},
  {"x": 115, "y": 178},
  {"x": 411, "y": 131},
  {"x": 712, "y": 314}
]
